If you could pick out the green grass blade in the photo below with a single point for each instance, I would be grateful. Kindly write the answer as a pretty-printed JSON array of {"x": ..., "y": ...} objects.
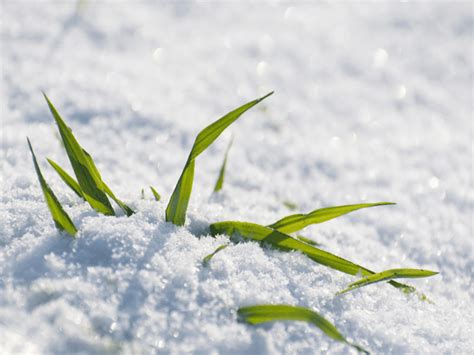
[
  {"x": 60, "y": 217},
  {"x": 296, "y": 222},
  {"x": 388, "y": 275},
  {"x": 90, "y": 185},
  {"x": 259, "y": 314},
  {"x": 209, "y": 134},
  {"x": 285, "y": 242},
  {"x": 208, "y": 258},
  {"x": 220, "y": 179},
  {"x": 142, "y": 194},
  {"x": 128, "y": 211},
  {"x": 155, "y": 193},
  {"x": 68, "y": 180},
  {"x": 178, "y": 203}
]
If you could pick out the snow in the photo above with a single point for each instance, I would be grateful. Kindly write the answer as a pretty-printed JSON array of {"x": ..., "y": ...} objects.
[{"x": 373, "y": 102}]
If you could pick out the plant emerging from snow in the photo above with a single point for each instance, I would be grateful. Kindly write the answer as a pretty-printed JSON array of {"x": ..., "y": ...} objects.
[{"x": 90, "y": 187}]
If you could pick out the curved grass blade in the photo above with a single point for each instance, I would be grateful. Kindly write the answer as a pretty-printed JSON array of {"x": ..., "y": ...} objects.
[
  {"x": 208, "y": 258},
  {"x": 178, "y": 203},
  {"x": 388, "y": 275},
  {"x": 259, "y": 314},
  {"x": 90, "y": 185},
  {"x": 155, "y": 193},
  {"x": 220, "y": 179},
  {"x": 128, "y": 211},
  {"x": 296, "y": 222},
  {"x": 285, "y": 242},
  {"x": 68, "y": 179},
  {"x": 60, "y": 217}
]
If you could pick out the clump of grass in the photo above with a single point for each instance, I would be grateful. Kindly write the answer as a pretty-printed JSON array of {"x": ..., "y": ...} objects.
[
  {"x": 388, "y": 275},
  {"x": 93, "y": 188},
  {"x": 220, "y": 178},
  {"x": 259, "y": 314},
  {"x": 61, "y": 219},
  {"x": 178, "y": 203}
]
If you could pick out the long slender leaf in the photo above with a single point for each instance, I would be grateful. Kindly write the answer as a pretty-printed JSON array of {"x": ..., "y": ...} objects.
[
  {"x": 285, "y": 242},
  {"x": 220, "y": 179},
  {"x": 178, "y": 203},
  {"x": 208, "y": 258},
  {"x": 68, "y": 179},
  {"x": 128, "y": 211},
  {"x": 259, "y": 314},
  {"x": 60, "y": 217},
  {"x": 296, "y": 222},
  {"x": 388, "y": 275},
  {"x": 90, "y": 185},
  {"x": 155, "y": 193}
]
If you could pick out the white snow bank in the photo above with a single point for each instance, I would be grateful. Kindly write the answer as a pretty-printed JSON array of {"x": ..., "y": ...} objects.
[{"x": 373, "y": 103}]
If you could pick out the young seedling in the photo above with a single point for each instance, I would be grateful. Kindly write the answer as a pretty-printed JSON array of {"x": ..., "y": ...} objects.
[
  {"x": 259, "y": 314},
  {"x": 388, "y": 275},
  {"x": 178, "y": 203},
  {"x": 284, "y": 242},
  {"x": 220, "y": 179},
  {"x": 94, "y": 190},
  {"x": 60, "y": 217},
  {"x": 89, "y": 182}
]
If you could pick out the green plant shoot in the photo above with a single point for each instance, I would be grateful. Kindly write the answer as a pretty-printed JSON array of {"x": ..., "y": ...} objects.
[
  {"x": 285, "y": 242},
  {"x": 60, "y": 217},
  {"x": 178, "y": 203},
  {"x": 90, "y": 184}
]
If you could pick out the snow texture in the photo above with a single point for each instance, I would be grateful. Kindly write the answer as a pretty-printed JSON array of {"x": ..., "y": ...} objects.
[{"x": 373, "y": 102}]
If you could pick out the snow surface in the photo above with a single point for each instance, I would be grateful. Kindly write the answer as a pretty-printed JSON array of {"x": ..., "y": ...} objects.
[{"x": 373, "y": 102}]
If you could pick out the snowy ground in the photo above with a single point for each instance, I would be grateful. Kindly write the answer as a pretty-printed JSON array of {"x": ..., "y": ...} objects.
[{"x": 373, "y": 102}]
